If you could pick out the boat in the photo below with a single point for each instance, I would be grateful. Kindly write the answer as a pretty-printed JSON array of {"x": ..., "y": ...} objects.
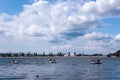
[
  {"x": 51, "y": 60},
  {"x": 95, "y": 61},
  {"x": 15, "y": 62}
]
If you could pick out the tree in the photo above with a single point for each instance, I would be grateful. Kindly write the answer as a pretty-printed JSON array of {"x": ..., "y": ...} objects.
[
  {"x": 74, "y": 53},
  {"x": 43, "y": 54},
  {"x": 79, "y": 54},
  {"x": 117, "y": 53},
  {"x": 97, "y": 54},
  {"x": 69, "y": 54}
]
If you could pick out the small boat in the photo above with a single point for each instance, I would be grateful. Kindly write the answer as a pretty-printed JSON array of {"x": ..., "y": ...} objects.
[
  {"x": 95, "y": 61},
  {"x": 15, "y": 62},
  {"x": 51, "y": 60}
]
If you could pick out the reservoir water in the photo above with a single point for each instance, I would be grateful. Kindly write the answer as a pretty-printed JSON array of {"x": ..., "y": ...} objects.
[{"x": 64, "y": 69}]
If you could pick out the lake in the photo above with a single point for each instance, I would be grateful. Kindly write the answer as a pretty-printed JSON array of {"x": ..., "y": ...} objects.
[{"x": 64, "y": 69}]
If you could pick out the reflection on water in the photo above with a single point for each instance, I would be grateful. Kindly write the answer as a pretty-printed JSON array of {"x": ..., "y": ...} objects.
[{"x": 64, "y": 69}]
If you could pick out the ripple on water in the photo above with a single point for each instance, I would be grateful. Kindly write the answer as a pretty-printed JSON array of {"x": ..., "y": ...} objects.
[{"x": 64, "y": 69}]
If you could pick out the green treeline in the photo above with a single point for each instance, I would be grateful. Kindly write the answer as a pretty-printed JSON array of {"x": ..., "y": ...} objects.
[
  {"x": 29, "y": 54},
  {"x": 35, "y": 54},
  {"x": 117, "y": 54}
]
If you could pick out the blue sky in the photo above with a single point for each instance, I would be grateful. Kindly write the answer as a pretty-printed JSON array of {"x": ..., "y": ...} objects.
[
  {"x": 12, "y": 7},
  {"x": 84, "y": 26}
]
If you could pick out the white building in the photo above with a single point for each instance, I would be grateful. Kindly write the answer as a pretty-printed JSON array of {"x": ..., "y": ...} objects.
[{"x": 71, "y": 55}]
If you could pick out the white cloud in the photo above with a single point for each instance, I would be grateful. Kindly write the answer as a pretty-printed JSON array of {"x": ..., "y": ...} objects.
[
  {"x": 100, "y": 42},
  {"x": 102, "y": 8},
  {"x": 62, "y": 47},
  {"x": 98, "y": 36},
  {"x": 61, "y": 21},
  {"x": 117, "y": 37}
]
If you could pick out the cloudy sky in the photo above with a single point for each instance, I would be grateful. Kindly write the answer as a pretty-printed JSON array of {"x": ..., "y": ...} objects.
[{"x": 84, "y": 26}]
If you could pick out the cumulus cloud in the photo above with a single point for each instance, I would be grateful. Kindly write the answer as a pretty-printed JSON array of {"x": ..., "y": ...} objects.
[
  {"x": 117, "y": 37},
  {"x": 59, "y": 21},
  {"x": 100, "y": 42},
  {"x": 102, "y": 8},
  {"x": 98, "y": 36},
  {"x": 4, "y": 27},
  {"x": 97, "y": 39},
  {"x": 62, "y": 47}
]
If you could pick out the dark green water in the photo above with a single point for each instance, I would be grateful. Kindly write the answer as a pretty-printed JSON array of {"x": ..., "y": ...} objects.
[{"x": 64, "y": 69}]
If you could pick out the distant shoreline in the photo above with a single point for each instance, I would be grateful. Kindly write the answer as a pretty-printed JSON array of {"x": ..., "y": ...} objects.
[{"x": 60, "y": 57}]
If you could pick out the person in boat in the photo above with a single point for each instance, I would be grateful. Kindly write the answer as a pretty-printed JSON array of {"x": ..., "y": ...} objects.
[
  {"x": 49, "y": 59},
  {"x": 52, "y": 60},
  {"x": 95, "y": 61},
  {"x": 98, "y": 61}
]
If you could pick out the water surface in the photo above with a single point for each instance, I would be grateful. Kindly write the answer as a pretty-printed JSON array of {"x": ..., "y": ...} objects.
[{"x": 64, "y": 69}]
